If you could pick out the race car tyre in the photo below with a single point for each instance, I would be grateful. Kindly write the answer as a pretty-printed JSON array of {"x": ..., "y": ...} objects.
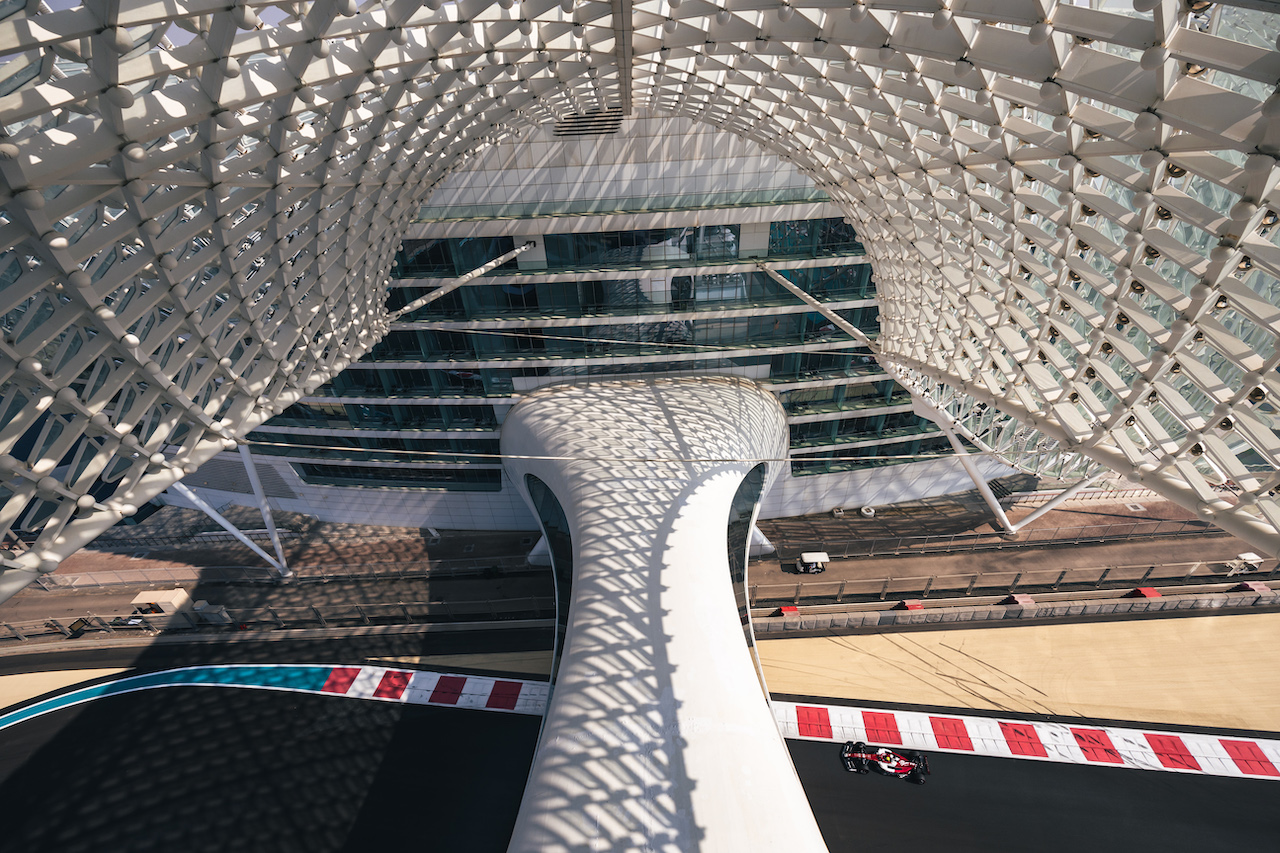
[
  {"x": 851, "y": 763},
  {"x": 916, "y": 777},
  {"x": 919, "y": 758}
]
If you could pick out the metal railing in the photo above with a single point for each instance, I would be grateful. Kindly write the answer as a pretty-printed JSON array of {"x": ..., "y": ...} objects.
[
  {"x": 1028, "y": 537},
  {"x": 1093, "y": 495},
  {"x": 993, "y": 583},
  {"x": 162, "y": 541},
  {"x": 225, "y": 620},
  {"x": 420, "y": 569},
  {"x": 158, "y": 575},
  {"x": 388, "y": 570}
]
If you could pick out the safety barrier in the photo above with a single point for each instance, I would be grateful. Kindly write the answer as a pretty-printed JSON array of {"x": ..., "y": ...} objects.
[
  {"x": 416, "y": 570},
  {"x": 161, "y": 541},
  {"x": 219, "y": 619},
  {"x": 1028, "y": 609},
  {"x": 894, "y": 546},
  {"x": 989, "y": 583},
  {"x": 1088, "y": 496}
]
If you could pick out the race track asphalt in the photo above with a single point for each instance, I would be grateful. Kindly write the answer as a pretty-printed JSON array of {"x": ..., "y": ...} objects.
[
  {"x": 217, "y": 769},
  {"x": 993, "y": 805}
]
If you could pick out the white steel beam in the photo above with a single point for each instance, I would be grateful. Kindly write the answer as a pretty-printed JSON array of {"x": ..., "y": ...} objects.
[
  {"x": 1060, "y": 498},
  {"x": 256, "y": 484},
  {"x": 947, "y": 424},
  {"x": 467, "y": 278},
  {"x": 208, "y": 510}
]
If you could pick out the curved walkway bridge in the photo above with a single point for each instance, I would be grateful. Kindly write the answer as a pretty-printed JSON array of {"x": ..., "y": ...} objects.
[{"x": 658, "y": 735}]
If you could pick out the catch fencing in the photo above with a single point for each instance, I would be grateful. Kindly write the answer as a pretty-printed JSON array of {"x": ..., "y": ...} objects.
[
  {"x": 1000, "y": 582},
  {"x": 417, "y": 570},
  {"x": 229, "y": 620},
  {"x": 893, "y": 546}
]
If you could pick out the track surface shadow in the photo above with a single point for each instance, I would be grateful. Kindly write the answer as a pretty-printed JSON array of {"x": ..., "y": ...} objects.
[
  {"x": 216, "y": 769},
  {"x": 982, "y": 804}
]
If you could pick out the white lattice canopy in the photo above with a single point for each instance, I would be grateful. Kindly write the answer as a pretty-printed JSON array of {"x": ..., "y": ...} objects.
[{"x": 1071, "y": 209}]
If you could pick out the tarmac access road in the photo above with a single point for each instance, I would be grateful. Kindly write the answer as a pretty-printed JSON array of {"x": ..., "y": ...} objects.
[
  {"x": 1041, "y": 557},
  {"x": 1002, "y": 805},
  {"x": 36, "y": 603},
  {"x": 351, "y": 650}
]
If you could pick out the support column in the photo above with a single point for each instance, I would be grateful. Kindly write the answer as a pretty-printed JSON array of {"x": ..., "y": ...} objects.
[
  {"x": 204, "y": 507},
  {"x": 656, "y": 699},
  {"x": 461, "y": 280},
  {"x": 252, "y": 471},
  {"x": 978, "y": 480},
  {"x": 947, "y": 424},
  {"x": 1057, "y": 500}
]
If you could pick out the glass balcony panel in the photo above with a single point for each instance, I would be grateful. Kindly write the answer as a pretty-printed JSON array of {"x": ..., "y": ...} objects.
[
  {"x": 454, "y": 479},
  {"x": 620, "y": 204},
  {"x": 812, "y": 237},
  {"x": 451, "y": 257}
]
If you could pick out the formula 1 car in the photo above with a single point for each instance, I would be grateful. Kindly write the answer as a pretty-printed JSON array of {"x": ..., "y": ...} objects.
[{"x": 903, "y": 764}]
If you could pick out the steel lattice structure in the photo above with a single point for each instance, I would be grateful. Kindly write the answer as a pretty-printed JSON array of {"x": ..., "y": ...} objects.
[{"x": 1071, "y": 209}]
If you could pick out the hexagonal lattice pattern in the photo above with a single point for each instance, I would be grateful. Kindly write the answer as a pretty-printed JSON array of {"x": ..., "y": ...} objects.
[{"x": 1071, "y": 208}]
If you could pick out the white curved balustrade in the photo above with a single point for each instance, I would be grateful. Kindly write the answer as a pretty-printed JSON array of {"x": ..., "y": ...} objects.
[{"x": 657, "y": 735}]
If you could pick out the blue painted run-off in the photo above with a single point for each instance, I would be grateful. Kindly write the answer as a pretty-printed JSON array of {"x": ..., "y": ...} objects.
[{"x": 308, "y": 679}]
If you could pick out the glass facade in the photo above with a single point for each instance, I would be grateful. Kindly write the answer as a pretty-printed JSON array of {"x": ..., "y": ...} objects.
[
  {"x": 590, "y": 297},
  {"x": 812, "y": 237},
  {"x": 400, "y": 478},
  {"x": 612, "y": 248},
  {"x": 687, "y": 299},
  {"x": 448, "y": 258}
]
